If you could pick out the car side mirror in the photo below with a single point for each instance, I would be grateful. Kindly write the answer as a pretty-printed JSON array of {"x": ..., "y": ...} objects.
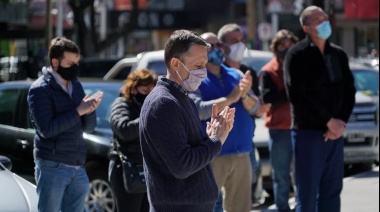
[{"x": 7, "y": 163}]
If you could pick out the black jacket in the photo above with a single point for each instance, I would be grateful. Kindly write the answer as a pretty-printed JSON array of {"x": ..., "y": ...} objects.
[
  {"x": 124, "y": 121},
  {"x": 319, "y": 86},
  {"x": 59, "y": 128}
]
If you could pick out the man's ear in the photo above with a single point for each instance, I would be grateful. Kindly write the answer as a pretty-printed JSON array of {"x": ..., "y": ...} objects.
[
  {"x": 54, "y": 62},
  {"x": 174, "y": 63},
  {"x": 305, "y": 28}
]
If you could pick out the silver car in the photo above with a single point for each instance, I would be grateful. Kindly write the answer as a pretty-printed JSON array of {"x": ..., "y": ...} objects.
[{"x": 17, "y": 194}]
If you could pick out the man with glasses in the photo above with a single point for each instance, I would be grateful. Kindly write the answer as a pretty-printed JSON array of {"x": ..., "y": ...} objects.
[
  {"x": 321, "y": 90},
  {"x": 226, "y": 86},
  {"x": 233, "y": 39}
]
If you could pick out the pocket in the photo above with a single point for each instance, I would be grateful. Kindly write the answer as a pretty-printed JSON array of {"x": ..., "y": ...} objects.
[{"x": 47, "y": 164}]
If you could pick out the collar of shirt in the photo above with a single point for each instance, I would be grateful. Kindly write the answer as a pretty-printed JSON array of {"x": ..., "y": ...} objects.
[
  {"x": 59, "y": 80},
  {"x": 173, "y": 84}
]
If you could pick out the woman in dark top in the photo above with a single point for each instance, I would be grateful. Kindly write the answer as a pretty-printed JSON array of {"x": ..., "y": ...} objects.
[{"x": 125, "y": 113}]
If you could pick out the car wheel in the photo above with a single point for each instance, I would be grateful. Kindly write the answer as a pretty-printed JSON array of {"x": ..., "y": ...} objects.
[{"x": 100, "y": 197}]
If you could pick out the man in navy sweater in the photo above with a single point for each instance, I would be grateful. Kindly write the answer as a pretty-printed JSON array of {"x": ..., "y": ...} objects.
[{"x": 176, "y": 152}]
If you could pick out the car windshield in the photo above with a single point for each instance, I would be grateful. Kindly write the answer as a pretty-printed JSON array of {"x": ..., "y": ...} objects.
[
  {"x": 366, "y": 81},
  {"x": 103, "y": 111}
]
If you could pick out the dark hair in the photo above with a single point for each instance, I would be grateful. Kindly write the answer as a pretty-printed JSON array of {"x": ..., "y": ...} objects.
[
  {"x": 280, "y": 36},
  {"x": 226, "y": 29},
  {"x": 60, "y": 45},
  {"x": 179, "y": 44},
  {"x": 141, "y": 77},
  {"x": 306, "y": 13}
]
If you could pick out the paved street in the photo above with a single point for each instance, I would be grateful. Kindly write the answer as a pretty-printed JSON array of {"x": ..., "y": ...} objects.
[{"x": 360, "y": 193}]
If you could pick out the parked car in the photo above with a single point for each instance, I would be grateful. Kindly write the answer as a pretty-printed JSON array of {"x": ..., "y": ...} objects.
[
  {"x": 371, "y": 62},
  {"x": 17, "y": 194},
  {"x": 17, "y": 132}
]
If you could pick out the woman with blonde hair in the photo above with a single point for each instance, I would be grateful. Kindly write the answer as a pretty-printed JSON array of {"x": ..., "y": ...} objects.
[{"x": 124, "y": 119}]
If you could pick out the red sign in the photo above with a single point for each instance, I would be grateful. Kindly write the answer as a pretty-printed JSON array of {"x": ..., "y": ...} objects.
[
  {"x": 127, "y": 4},
  {"x": 361, "y": 9}
]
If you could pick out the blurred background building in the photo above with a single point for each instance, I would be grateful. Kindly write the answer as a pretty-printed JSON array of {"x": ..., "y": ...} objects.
[{"x": 116, "y": 28}]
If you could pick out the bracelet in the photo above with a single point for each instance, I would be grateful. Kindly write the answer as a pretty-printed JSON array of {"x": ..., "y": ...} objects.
[{"x": 245, "y": 96}]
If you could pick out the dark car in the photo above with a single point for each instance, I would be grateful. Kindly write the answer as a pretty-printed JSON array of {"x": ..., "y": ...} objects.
[{"x": 17, "y": 132}]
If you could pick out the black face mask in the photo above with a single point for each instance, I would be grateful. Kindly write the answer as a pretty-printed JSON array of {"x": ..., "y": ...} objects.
[
  {"x": 282, "y": 53},
  {"x": 140, "y": 97},
  {"x": 69, "y": 73}
]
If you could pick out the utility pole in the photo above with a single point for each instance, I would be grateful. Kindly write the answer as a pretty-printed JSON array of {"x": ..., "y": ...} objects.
[
  {"x": 48, "y": 27},
  {"x": 251, "y": 21},
  {"x": 59, "y": 24},
  {"x": 330, "y": 11}
]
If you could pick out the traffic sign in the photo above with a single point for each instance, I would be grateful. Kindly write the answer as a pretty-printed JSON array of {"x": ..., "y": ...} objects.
[{"x": 265, "y": 32}]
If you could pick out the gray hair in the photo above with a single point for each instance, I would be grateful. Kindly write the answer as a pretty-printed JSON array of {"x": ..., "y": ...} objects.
[
  {"x": 228, "y": 28},
  {"x": 306, "y": 13}
]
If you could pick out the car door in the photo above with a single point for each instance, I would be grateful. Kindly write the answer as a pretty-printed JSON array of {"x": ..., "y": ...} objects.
[
  {"x": 23, "y": 148},
  {"x": 9, "y": 97}
]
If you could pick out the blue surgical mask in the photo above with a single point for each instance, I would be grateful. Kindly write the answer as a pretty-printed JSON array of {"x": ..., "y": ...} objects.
[
  {"x": 324, "y": 30},
  {"x": 215, "y": 56},
  {"x": 195, "y": 78}
]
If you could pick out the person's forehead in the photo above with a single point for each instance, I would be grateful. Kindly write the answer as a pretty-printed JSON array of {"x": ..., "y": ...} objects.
[
  {"x": 317, "y": 15},
  {"x": 70, "y": 56},
  {"x": 197, "y": 54},
  {"x": 212, "y": 40},
  {"x": 285, "y": 43},
  {"x": 235, "y": 35},
  {"x": 145, "y": 87}
]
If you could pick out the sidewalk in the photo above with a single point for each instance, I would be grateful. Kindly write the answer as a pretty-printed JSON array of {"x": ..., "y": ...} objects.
[{"x": 360, "y": 193}]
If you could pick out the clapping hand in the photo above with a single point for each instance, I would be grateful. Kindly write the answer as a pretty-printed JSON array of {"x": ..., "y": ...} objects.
[
  {"x": 245, "y": 83},
  {"x": 221, "y": 124}
]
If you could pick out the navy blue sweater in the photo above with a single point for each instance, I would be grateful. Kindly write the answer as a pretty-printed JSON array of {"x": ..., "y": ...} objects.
[
  {"x": 59, "y": 128},
  {"x": 175, "y": 152}
]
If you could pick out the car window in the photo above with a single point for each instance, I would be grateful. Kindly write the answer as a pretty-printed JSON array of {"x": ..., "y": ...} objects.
[
  {"x": 8, "y": 102},
  {"x": 366, "y": 81},
  {"x": 158, "y": 66},
  {"x": 122, "y": 75}
]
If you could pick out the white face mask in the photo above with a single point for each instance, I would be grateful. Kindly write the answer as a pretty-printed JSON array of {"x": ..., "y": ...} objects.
[
  {"x": 237, "y": 52},
  {"x": 195, "y": 78}
]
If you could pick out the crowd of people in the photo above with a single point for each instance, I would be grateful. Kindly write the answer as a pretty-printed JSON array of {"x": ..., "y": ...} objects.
[{"x": 191, "y": 130}]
